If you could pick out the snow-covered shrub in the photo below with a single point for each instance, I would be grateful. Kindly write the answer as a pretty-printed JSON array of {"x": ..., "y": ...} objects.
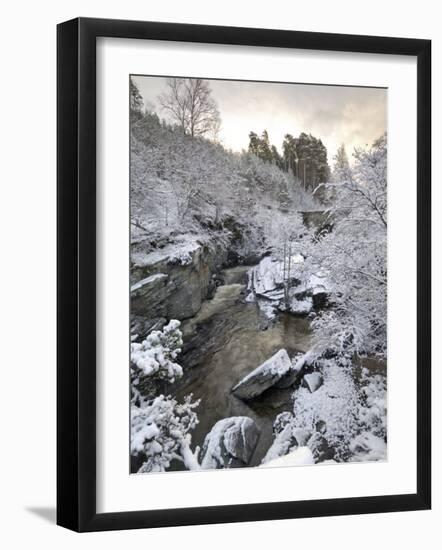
[
  {"x": 155, "y": 357},
  {"x": 160, "y": 425},
  {"x": 160, "y": 432}
]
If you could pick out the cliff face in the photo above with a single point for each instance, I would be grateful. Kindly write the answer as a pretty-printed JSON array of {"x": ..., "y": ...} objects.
[{"x": 173, "y": 282}]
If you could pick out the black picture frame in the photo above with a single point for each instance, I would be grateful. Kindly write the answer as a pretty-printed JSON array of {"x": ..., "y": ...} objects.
[{"x": 76, "y": 274}]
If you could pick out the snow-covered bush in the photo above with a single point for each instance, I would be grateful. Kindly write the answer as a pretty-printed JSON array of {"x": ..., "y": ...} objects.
[
  {"x": 160, "y": 425},
  {"x": 160, "y": 432},
  {"x": 154, "y": 358}
]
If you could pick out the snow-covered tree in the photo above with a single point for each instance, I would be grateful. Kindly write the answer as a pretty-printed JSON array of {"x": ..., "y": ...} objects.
[
  {"x": 354, "y": 256},
  {"x": 155, "y": 356},
  {"x": 341, "y": 165},
  {"x": 160, "y": 432},
  {"x": 181, "y": 184},
  {"x": 190, "y": 104},
  {"x": 160, "y": 425},
  {"x": 136, "y": 99}
]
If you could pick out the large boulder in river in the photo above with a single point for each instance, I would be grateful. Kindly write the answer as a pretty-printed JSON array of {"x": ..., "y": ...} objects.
[
  {"x": 230, "y": 443},
  {"x": 298, "y": 363},
  {"x": 263, "y": 377}
]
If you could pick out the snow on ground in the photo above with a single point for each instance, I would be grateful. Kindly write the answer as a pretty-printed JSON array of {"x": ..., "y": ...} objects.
[
  {"x": 349, "y": 415},
  {"x": 347, "y": 408},
  {"x": 336, "y": 403},
  {"x": 280, "y": 446},
  {"x": 302, "y": 456},
  {"x": 367, "y": 446}
]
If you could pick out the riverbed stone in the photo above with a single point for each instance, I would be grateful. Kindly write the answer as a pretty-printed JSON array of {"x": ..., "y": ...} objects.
[
  {"x": 230, "y": 443},
  {"x": 263, "y": 377}
]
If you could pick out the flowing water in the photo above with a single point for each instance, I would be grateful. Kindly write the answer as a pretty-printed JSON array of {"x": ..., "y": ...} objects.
[{"x": 226, "y": 340}]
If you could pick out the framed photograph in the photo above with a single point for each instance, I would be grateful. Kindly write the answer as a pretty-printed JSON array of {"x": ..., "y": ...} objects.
[{"x": 243, "y": 274}]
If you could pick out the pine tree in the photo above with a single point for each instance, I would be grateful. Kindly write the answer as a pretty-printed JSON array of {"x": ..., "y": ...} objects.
[
  {"x": 265, "y": 152},
  {"x": 341, "y": 166},
  {"x": 136, "y": 99}
]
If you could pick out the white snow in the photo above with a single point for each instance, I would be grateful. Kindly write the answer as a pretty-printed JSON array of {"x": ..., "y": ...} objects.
[
  {"x": 312, "y": 381},
  {"x": 301, "y": 306},
  {"x": 277, "y": 365},
  {"x": 160, "y": 432},
  {"x": 336, "y": 403},
  {"x": 280, "y": 446},
  {"x": 319, "y": 283},
  {"x": 351, "y": 416},
  {"x": 346, "y": 408},
  {"x": 267, "y": 286},
  {"x": 181, "y": 252},
  {"x": 302, "y": 456},
  {"x": 147, "y": 281},
  {"x": 157, "y": 353},
  {"x": 268, "y": 274},
  {"x": 367, "y": 446},
  {"x": 142, "y": 432}
]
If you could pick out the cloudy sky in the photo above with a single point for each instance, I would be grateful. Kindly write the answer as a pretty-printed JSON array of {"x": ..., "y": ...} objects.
[{"x": 336, "y": 114}]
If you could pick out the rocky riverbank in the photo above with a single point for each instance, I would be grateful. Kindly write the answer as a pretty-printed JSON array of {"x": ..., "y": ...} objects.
[{"x": 244, "y": 355}]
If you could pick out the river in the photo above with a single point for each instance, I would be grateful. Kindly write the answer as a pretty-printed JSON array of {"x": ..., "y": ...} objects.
[{"x": 223, "y": 342}]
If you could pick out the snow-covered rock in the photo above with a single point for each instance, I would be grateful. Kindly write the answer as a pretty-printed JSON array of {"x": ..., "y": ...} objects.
[
  {"x": 312, "y": 381},
  {"x": 180, "y": 252},
  {"x": 263, "y": 377},
  {"x": 342, "y": 409},
  {"x": 367, "y": 446},
  {"x": 301, "y": 436},
  {"x": 267, "y": 277},
  {"x": 173, "y": 282},
  {"x": 302, "y": 456},
  {"x": 320, "y": 448},
  {"x": 230, "y": 443},
  {"x": 301, "y": 307},
  {"x": 148, "y": 281},
  {"x": 293, "y": 374},
  {"x": 287, "y": 437},
  {"x": 268, "y": 285}
]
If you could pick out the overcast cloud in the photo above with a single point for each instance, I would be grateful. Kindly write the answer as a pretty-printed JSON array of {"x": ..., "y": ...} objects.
[{"x": 353, "y": 116}]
